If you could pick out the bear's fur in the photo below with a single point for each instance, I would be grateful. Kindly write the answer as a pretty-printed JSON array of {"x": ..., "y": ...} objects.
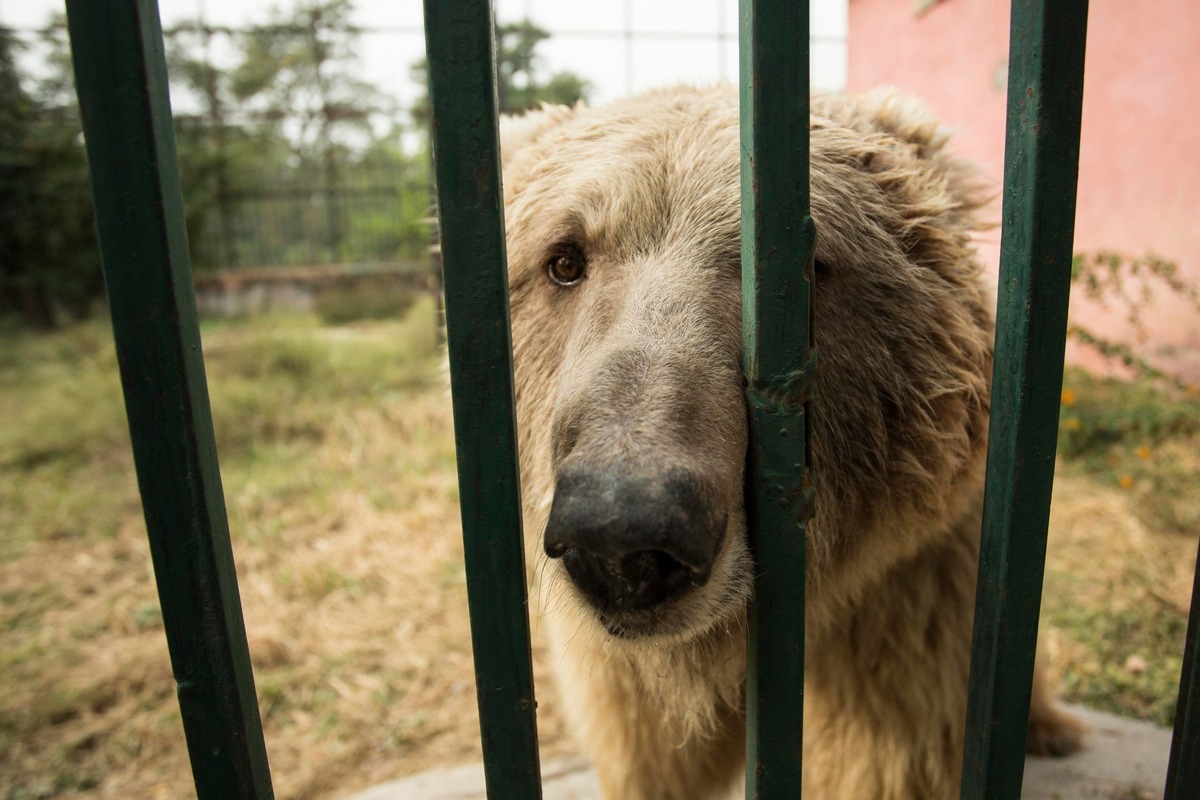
[{"x": 635, "y": 370}]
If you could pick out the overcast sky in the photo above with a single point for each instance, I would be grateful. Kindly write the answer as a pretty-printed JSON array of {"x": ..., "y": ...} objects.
[{"x": 673, "y": 41}]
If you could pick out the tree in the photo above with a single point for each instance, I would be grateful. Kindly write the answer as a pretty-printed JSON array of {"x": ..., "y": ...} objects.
[
  {"x": 519, "y": 82},
  {"x": 49, "y": 261},
  {"x": 224, "y": 152},
  {"x": 275, "y": 165},
  {"x": 302, "y": 71},
  {"x": 303, "y": 68}
]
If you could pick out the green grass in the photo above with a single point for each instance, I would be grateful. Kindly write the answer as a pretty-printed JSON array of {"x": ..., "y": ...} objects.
[
  {"x": 1126, "y": 652},
  {"x": 275, "y": 383},
  {"x": 1139, "y": 439},
  {"x": 1118, "y": 590}
]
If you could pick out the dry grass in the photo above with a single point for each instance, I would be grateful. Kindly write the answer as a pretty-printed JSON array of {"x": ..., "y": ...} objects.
[
  {"x": 1123, "y": 543},
  {"x": 338, "y": 467}
]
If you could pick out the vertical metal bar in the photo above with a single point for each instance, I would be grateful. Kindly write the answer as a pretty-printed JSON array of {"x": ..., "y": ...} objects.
[
  {"x": 1183, "y": 770},
  {"x": 121, "y": 78},
  {"x": 777, "y": 255},
  {"x": 1045, "y": 94},
  {"x": 461, "y": 51}
]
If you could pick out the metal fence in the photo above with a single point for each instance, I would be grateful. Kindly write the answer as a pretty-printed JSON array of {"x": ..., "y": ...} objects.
[
  {"x": 302, "y": 212},
  {"x": 122, "y": 88},
  {"x": 360, "y": 218}
]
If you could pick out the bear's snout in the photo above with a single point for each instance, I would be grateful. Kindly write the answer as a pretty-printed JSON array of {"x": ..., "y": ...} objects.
[{"x": 631, "y": 539}]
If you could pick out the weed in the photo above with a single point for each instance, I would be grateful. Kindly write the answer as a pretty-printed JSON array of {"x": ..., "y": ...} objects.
[
  {"x": 1133, "y": 658},
  {"x": 1138, "y": 438},
  {"x": 1129, "y": 285}
]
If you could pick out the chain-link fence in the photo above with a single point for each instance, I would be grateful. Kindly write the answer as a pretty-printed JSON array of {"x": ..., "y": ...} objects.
[{"x": 302, "y": 137}]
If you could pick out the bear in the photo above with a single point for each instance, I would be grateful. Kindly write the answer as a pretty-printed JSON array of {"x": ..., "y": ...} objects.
[{"x": 623, "y": 235}]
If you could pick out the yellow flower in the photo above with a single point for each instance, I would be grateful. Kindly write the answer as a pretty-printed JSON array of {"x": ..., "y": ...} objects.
[
  {"x": 1068, "y": 398},
  {"x": 1072, "y": 424},
  {"x": 1192, "y": 390},
  {"x": 1126, "y": 481},
  {"x": 1143, "y": 452}
]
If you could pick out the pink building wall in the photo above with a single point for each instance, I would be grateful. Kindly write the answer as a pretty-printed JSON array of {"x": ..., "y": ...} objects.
[{"x": 1139, "y": 175}]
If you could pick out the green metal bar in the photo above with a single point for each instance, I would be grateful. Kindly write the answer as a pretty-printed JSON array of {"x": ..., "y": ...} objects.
[
  {"x": 122, "y": 83},
  {"x": 461, "y": 51},
  {"x": 1045, "y": 94},
  {"x": 778, "y": 238},
  {"x": 1183, "y": 770}
]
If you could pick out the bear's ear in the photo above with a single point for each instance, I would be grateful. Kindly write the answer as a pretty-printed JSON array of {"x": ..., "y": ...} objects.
[
  {"x": 910, "y": 161},
  {"x": 907, "y": 119},
  {"x": 885, "y": 111},
  {"x": 517, "y": 132}
]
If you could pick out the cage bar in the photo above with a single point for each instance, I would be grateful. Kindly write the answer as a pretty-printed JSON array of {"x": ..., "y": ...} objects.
[
  {"x": 121, "y": 78},
  {"x": 1183, "y": 768},
  {"x": 778, "y": 239},
  {"x": 461, "y": 52},
  {"x": 1041, "y": 162}
]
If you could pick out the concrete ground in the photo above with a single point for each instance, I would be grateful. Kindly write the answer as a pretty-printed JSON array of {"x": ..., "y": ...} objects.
[{"x": 1122, "y": 760}]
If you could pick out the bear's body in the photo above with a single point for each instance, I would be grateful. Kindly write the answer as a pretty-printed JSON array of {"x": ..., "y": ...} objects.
[{"x": 624, "y": 257}]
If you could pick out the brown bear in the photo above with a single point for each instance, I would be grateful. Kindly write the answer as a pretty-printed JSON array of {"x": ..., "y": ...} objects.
[{"x": 624, "y": 265}]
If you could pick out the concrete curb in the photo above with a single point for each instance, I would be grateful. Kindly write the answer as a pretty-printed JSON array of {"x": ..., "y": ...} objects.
[{"x": 1122, "y": 760}]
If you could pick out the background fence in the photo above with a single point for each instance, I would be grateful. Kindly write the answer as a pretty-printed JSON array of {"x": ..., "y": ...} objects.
[{"x": 302, "y": 129}]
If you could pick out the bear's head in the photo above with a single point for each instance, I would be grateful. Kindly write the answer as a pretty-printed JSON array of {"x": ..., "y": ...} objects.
[{"x": 623, "y": 227}]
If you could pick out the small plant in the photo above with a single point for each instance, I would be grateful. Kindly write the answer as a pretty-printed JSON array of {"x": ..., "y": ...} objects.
[
  {"x": 1139, "y": 438},
  {"x": 1131, "y": 284},
  {"x": 1140, "y": 435}
]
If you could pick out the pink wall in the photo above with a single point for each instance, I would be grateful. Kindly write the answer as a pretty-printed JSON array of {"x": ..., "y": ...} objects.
[{"x": 1139, "y": 176}]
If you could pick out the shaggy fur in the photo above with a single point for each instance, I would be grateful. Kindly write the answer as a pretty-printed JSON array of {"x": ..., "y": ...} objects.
[{"x": 638, "y": 368}]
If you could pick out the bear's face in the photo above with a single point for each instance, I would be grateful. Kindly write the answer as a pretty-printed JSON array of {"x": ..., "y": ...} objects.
[{"x": 624, "y": 261}]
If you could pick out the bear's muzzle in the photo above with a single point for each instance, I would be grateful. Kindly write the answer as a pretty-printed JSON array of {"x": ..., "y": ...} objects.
[{"x": 632, "y": 539}]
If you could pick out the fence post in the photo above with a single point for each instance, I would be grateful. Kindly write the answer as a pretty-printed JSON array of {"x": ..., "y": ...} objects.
[
  {"x": 121, "y": 78},
  {"x": 1041, "y": 162},
  {"x": 461, "y": 51},
  {"x": 778, "y": 239}
]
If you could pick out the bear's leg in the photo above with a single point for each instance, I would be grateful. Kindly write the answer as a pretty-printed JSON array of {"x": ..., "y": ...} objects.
[
  {"x": 886, "y": 682},
  {"x": 1052, "y": 731},
  {"x": 853, "y": 752},
  {"x": 887, "y": 688}
]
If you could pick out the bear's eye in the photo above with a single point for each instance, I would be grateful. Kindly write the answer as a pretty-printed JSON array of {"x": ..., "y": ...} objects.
[{"x": 567, "y": 266}]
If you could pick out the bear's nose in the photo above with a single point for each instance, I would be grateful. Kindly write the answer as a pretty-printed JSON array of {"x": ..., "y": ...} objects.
[{"x": 632, "y": 539}]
